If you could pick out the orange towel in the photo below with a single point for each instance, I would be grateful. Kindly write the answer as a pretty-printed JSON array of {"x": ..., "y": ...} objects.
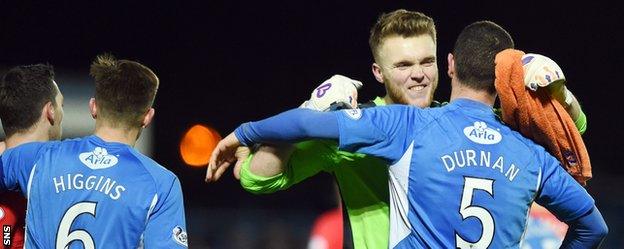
[{"x": 539, "y": 117}]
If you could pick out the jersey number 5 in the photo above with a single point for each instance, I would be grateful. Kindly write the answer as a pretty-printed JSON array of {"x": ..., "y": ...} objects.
[
  {"x": 64, "y": 236},
  {"x": 466, "y": 209}
]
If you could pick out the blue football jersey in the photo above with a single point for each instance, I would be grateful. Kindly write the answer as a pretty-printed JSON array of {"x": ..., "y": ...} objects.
[
  {"x": 88, "y": 193},
  {"x": 458, "y": 177}
]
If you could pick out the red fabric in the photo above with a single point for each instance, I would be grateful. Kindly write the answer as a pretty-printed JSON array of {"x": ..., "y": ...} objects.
[
  {"x": 539, "y": 117},
  {"x": 540, "y": 213},
  {"x": 327, "y": 231},
  {"x": 13, "y": 213}
]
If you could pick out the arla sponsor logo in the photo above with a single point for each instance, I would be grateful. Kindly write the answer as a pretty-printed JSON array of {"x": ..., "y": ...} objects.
[
  {"x": 480, "y": 133},
  {"x": 98, "y": 159}
]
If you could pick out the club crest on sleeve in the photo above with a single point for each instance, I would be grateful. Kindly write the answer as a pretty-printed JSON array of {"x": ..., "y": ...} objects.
[
  {"x": 481, "y": 134},
  {"x": 354, "y": 114},
  {"x": 179, "y": 235},
  {"x": 98, "y": 159}
]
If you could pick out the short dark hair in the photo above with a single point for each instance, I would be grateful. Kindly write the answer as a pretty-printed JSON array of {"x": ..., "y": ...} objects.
[
  {"x": 24, "y": 91},
  {"x": 475, "y": 51},
  {"x": 124, "y": 89}
]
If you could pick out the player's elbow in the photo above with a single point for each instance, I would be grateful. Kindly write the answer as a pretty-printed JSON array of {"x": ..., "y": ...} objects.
[
  {"x": 600, "y": 228},
  {"x": 588, "y": 231},
  {"x": 599, "y": 233},
  {"x": 602, "y": 231}
]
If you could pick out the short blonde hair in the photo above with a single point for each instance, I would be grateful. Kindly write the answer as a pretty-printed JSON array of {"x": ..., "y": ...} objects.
[{"x": 400, "y": 23}]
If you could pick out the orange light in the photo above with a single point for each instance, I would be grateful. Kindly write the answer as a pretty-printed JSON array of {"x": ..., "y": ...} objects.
[{"x": 197, "y": 144}]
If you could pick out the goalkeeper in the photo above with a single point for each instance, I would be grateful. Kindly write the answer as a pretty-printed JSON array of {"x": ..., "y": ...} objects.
[{"x": 404, "y": 47}]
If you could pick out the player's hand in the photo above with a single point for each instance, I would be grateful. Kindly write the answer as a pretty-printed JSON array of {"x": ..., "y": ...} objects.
[
  {"x": 241, "y": 155},
  {"x": 337, "y": 89},
  {"x": 541, "y": 71},
  {"x": 222, "y": 157}
]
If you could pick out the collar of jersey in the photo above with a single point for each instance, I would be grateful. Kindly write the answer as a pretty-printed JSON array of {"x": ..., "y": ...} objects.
[
  {"x": 99, "y": 141},
  {"x": 379, "y": 101},
  {"x": 473, "y": 105}
]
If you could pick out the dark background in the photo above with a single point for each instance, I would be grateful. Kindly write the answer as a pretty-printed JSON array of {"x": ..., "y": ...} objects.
[{"x": 222, "y": 63}]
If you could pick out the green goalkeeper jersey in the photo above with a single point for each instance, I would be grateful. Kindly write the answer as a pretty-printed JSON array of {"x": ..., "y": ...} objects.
[{"x": 362, "y": 180}]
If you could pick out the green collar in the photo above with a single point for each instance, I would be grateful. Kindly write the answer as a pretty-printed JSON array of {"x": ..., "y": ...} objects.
[{"x": 379, "y": 101}]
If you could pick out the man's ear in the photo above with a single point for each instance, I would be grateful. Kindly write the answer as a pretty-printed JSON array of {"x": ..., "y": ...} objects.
[
  {"x": 93, "y": 108},
  {"x": 148, "y": 117},
  {"x": 451, "y": 65},
  {"x": 377, "y": 72},
  {"x": 48, "y": 111}
]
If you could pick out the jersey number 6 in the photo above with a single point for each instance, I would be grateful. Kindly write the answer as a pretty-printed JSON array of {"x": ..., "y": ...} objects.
[{"x": 64, "y": 237}]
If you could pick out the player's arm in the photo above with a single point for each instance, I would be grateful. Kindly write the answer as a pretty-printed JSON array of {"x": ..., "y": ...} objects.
[
  {"x": 290, "y": 126},
  {"x": 380, "y": 132},
  {"x": 274, "y": 168},
  {"x": 264, "y": 172},
  {"x": 587, "y": 231},
  {"x": 571, "y": 203},
  {"x": 560, "y": 92},
  {"x": 573, "y": 108},
  {"x": 541, "y": 71},
  {"x": 166, "y": 225}
]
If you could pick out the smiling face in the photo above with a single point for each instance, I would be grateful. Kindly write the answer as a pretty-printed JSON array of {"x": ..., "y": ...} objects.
[{"x": 407, "y": 66}]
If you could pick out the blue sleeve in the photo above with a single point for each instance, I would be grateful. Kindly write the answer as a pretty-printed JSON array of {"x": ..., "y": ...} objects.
[
  {"x": 16, "y": 164},
  {"x": 560, "y": 193},
  {"x": 166, "y": 227},
  {"x": 290, "y": 126},
  {"x": 586, "y": 232},
  {"x": 385, "y": 132}
]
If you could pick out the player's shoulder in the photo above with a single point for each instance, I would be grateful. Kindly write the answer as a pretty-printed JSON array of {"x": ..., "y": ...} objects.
[
  {"x": 69, "y": 142},
  {"x": 123, "y": 154},
  {"x": 158, "y": 172},
  {"x": 522, "y": 142},
  {"x": 411, "y": 110},
  {"x": 32, "y": 148}
]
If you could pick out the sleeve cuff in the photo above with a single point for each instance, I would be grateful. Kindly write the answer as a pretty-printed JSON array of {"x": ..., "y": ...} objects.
[{"x": 581, "y": 122}]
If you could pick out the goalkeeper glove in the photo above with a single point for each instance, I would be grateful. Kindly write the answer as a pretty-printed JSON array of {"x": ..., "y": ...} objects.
[
  {"x": 541, "y": 71},
  {"x": 338, "y": 92}
]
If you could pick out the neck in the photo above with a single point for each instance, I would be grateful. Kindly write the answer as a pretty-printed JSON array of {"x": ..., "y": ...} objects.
[
  {"x": 34, "y": 135},
  {"x": 461, "y": 91},
  {"x": 119, "y": 134}
]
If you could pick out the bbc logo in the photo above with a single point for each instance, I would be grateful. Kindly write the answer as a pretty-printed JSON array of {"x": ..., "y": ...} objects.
[{"x": 6, "y": 235}]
